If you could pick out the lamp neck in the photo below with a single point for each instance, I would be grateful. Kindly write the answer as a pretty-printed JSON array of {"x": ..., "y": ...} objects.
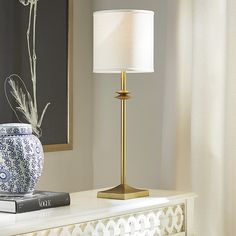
[{"x": 123, "y": 80}]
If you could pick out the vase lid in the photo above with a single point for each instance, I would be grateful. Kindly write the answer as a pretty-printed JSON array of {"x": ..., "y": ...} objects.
[{"x": 15, "y": 129}]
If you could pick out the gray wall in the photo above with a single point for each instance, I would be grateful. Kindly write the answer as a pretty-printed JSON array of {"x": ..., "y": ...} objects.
[
  {"x": 73, "y": 170},
  {"x": 144, "y": 112},
  {"x": 95, "y": 160}
]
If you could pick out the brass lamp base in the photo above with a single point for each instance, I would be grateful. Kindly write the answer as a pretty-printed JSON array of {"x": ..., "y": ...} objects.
[{"x": 123, "y": 192}]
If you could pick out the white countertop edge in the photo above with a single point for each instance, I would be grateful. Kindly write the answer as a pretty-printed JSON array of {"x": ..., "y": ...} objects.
[{"x": 54, "y": 217}]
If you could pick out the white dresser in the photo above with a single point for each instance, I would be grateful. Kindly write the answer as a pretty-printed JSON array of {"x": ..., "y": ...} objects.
[{"x": 163, "y": 213}]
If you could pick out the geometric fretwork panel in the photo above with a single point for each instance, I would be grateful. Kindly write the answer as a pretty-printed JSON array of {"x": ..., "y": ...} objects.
[{"x": 158, "y": 222}]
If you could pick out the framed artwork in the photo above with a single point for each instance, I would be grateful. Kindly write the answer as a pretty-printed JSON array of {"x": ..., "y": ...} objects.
[{"x": 36, "y": 68}]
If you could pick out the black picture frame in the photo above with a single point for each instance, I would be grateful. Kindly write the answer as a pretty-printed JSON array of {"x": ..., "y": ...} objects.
[{"x": 54, "y": 65}]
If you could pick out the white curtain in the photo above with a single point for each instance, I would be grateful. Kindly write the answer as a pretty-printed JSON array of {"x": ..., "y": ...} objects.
[{"x": 199, "y": 123}]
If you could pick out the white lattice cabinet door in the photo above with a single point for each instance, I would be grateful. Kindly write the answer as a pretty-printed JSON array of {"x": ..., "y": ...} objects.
[{"x": 163, "y": 213}]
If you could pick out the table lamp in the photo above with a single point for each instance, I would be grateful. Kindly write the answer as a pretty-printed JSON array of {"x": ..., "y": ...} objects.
[{"x": 123, "y": 43}]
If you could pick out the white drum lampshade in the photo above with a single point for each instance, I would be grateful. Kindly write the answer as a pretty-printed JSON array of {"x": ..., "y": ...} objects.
[{"x": 123, "y": 41}]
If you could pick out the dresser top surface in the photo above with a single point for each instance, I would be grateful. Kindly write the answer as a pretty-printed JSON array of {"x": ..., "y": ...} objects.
[{"x": 85, "y": 206}]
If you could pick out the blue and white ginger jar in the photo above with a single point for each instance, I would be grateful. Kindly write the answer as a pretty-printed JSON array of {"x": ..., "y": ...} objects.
[{"x": 21, "y": 159}]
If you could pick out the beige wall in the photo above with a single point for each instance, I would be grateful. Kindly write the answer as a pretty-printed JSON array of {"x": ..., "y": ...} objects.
[
  {"x": 73, "y": 170},
  {"x": 144, "y": 112}
]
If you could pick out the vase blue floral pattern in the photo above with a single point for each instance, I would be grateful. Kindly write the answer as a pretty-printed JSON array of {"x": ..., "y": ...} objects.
[{"x": 21, "y": 159}]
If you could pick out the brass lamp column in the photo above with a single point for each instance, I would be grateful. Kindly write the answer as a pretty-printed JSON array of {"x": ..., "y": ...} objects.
[
  {"x": 123, "y": 191},
  {"x": 123, "y": 43},
  {"x": 123, "y": 96}
]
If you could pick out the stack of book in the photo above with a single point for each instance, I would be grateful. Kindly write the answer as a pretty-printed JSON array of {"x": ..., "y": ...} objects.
[{"x": 37, "y": 201}]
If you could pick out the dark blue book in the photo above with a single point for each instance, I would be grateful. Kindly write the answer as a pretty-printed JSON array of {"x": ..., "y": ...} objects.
[{"x": 38, "y": 201}]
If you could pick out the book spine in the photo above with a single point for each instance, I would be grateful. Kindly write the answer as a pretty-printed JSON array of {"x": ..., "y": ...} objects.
[{"x": 43, "y": 203}]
